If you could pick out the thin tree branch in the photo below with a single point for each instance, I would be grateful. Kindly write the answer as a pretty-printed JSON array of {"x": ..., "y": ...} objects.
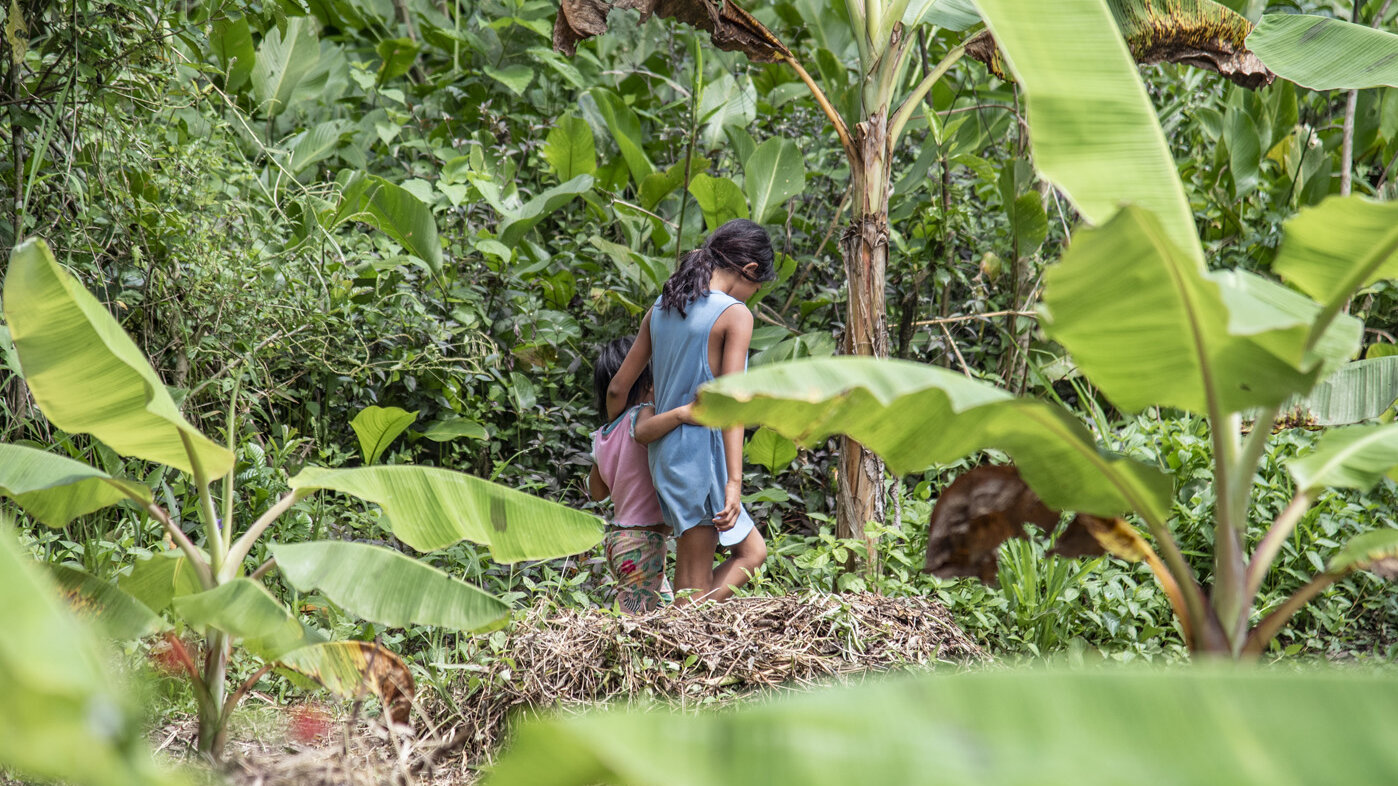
[{"x": 973, "y": 317}]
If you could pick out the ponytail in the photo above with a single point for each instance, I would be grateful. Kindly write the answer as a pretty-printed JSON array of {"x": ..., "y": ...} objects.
[
  {"x": 689, "y": 282},
  {"x": 735, "y": 244}
]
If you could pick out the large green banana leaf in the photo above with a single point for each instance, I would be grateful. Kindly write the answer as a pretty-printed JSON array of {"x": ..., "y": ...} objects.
[
  {"x": 1149, "y": 327},
  {"x": 1208, "y": 727},
  {"x": 64, "y": 715},
  {"x": 383, "y": 586},
  {"x": 430, "y": 508},
  {"x": 1355, "y": 457},
  {"x": 285, "y": 57},
  {"x": 120, "y": 614},
  {"x": 245, "y": 610},
  {"x": 1331, "y": 250},
  {"x": 87, "y": 375},
  {"x": 1358, "y": 391},
  {"x": 1091, "y": 124},
  {"x": 160, "y": 578},
  {"x": 915, "y": 416},
  {"x": 1326, "y": 54},
  {"x": 55, "y": 490}
]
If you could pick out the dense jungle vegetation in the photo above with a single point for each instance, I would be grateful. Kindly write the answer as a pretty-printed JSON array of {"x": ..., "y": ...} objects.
[{"x": 301, "y": 209}]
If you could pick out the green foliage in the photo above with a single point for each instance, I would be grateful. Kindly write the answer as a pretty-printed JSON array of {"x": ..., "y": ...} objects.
[{"x": 377, "y": 427}]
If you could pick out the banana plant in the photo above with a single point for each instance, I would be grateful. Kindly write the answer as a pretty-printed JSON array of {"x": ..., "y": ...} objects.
[
  {"x": 1196, "y": 32},
  {"x": 88, "y": 377},
  {"x": 1146, "y": 321}
]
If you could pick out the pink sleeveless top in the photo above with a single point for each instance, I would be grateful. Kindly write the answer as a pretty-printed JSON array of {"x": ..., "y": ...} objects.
[{"x": 622, "y": 463}]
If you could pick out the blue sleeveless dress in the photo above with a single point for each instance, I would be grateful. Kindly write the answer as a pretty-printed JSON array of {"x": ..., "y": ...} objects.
[{"x": 688, "y": 464}]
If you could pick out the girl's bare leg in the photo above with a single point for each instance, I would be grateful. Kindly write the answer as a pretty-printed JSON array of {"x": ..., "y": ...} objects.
[
  {"x": 694, "y": 561},
  {"x": 745, "y": 558}
]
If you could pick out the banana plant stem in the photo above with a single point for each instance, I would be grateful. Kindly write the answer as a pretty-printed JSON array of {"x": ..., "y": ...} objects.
[
  {"x": 243, "y": 545},
  {"x": 1271, "y": 544},
  {"x": 910, "y": 104},
  {"x": 213, "y": 535},
  {"x": 836, "y": 120}
]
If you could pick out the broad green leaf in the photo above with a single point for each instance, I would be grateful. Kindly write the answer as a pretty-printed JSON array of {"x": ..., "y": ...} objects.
[
  {"x": 397, "y": 56},
  {"x": 1376, "y": 551},
  {"x": 516, "y": 77},
  {"x": 570, "y": 148},
  {"x": 453, "y": 428},
  {"x": 1358, "y": 391},
  {"x": 283, "y": 60},
  {"x": 430, "y": 508},
  {"x": 1355, "y": 457},
  {"x": 64, "y": 716},
  {"x": 1029, "y": 222},
  {"x": 384, "y": 586},
  {"x": 394, "y": 211},
  {"x": 954, "y": 15},
  {"x": 315, "y": 144},
  {"x": 1149, "y": 327},
  {"x": 160, "y": 578},
  {"x": 719, "y": 199},
  {"x": 55, "y": 490},
  {"x": 1091, "y": 124},
  {"x": 231, "y": 42},
  {"x": 658, "y": 185},
  {"x": 1332, "y": 250},
  {"x": 516, "y": 223},
  {"x": 377, "y": 427},
  {"x": 774, "y": 173},
  {"x": 625, "y": 126},
  {"x": 770, "y": 449},
  {"x": 725, "y": 103},
  {"x": 1264, "y": 309},
  {"x": 1002, "y": 727},
  {"x": 87, "y": 375},
  {"x": 1244, "y": 151},
  {"x": 1326, "y": 54},
  {"x": 244, "y": 609},
  {"x": 122, "y": 616},
  {"x": 917, "y": 416}
]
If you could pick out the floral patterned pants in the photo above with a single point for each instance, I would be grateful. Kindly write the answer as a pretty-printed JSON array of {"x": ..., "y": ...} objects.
[{"x": 637, "y": 561}]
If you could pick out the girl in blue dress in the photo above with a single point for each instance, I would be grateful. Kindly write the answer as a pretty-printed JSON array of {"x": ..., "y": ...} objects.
[{"x": 699, "y": 329}]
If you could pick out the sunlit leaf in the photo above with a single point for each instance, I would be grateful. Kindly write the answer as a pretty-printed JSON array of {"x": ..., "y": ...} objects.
[
  {"x": 244, "y": 609},
  {"x": 1345, "y": 243},
  {"x": 947, "y": 14},
  {"x": 1358, "y": 391},
  {"x": 773, "y": 174},
  {"x": 570, "y": 148},
  {"x": 121, "y": 615},
  {"x": 515, "y": 223},
  {"x": 87, "y": 375},
  {"x": 430, "y": 508},
  {"x": 1356, "y": 457},
  {"x": 455, "y": 428},
  {"x": 383, "y": 586},
  {"x": 719, "y": 199},
  {"x": 916, "y": 416},
  {"x": 158, "y": 579},
  {"x": 770, "y": 449},
  {"x": 1092, "y": 127},
  {"x": 1005, "y": 727},
  {"x": 64, "y": 717},
  {"x": 377, "y": 427},
  {"x": 1326, "y": 54},
  {"x": 55, "y": 490},
  {"x": 1150, "y": 327}
]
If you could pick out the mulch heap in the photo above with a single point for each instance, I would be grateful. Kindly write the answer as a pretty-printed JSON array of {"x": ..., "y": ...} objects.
[{"x": 571, "y": 660}]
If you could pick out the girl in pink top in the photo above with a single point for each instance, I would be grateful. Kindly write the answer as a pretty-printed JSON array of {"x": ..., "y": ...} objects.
[{"x": 635, "y": 543}]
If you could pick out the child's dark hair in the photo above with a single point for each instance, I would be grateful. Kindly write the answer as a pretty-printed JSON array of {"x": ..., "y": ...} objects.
[
  {"x": 732, "y": 245},
  {"x": 609, "y": 362}
]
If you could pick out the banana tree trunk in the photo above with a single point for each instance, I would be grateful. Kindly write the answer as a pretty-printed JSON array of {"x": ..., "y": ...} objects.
[{"x": 859, "y": 495}]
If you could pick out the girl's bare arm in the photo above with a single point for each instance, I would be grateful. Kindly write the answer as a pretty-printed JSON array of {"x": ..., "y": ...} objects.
[
  {"x": 651, "y": 426},
  {"x": 736, "y": 326},
  {"x": 630, "y": 370},
  {"x": 596, "y": 487}
]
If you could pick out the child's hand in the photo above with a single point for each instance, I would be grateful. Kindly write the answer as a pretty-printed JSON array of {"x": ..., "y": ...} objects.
[
  {"x": 686, "y": 414},
  {"x": 732, "y": 503}
]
